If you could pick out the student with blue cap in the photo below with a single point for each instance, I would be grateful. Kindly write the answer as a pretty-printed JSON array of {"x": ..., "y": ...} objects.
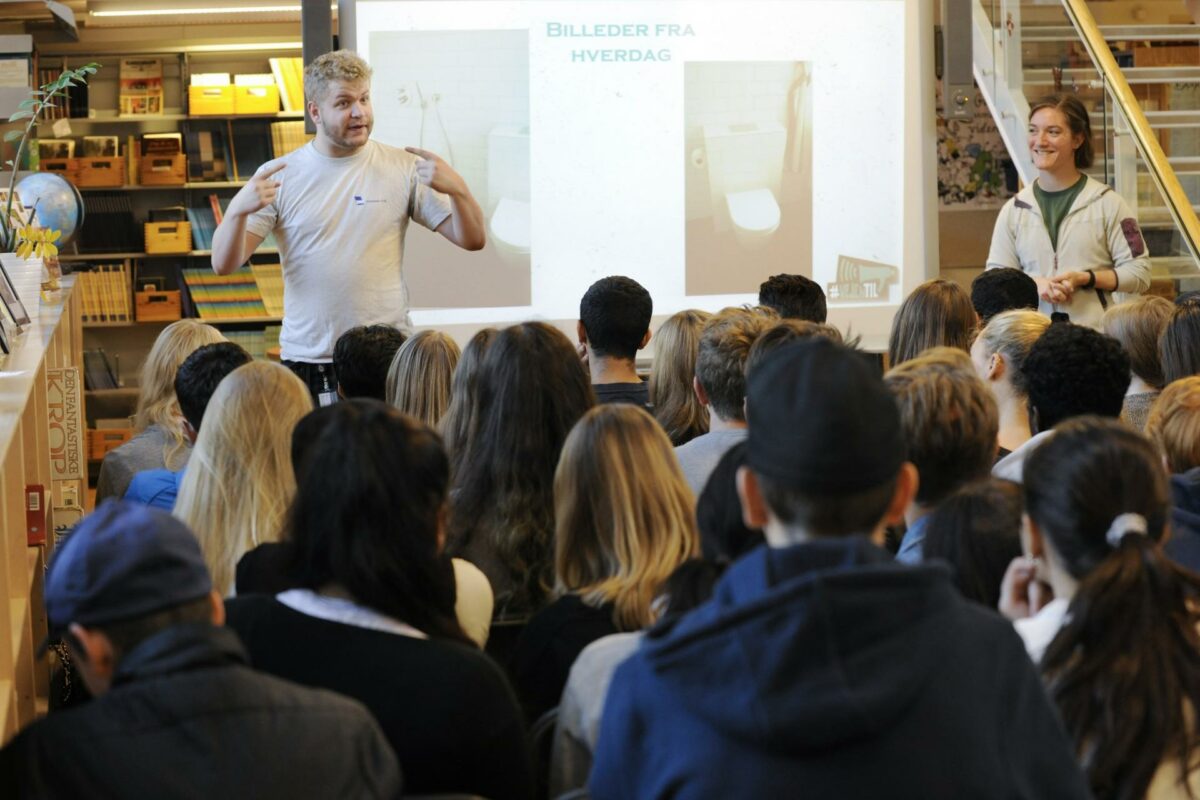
[{"x": 177, "y": 710}]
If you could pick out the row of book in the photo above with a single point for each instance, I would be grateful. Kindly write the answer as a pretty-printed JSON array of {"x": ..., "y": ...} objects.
[
  {"x": 105, "y": 293},
  {"x": 109, "y": 226},
  {"x": 256, "y": 342},
  {"x": 235, "y": 296},
  {"x": 73, "y": 105},
  {"x": 289, "y": 77}
]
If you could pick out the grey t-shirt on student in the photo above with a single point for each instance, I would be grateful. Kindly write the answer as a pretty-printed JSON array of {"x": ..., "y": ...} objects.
[{"x": 699, "y": 457}]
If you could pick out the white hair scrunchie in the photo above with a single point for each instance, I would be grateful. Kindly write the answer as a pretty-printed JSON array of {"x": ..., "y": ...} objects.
[{"x": 1123, "y": 525}]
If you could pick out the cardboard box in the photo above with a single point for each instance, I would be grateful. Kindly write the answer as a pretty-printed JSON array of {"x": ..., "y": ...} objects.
[
  {"x": 168, "y": 237},
  {"x": 100, "y": 171},
  {"x": 157, "y": 306},
  {"x": 163, "y": 170},
  {"x": 203, "y": 100},
  {"x": 66, "y": 167},
  {"x": 255, "y": 99},
  {"x": 102, "y": 441}
]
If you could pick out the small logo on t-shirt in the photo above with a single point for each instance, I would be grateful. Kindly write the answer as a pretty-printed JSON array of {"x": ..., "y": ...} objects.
[{"x": 359, "y": 200}]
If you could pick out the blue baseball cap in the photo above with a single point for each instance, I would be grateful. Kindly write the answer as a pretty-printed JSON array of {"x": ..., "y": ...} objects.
[{"x": 123, "y": 561}]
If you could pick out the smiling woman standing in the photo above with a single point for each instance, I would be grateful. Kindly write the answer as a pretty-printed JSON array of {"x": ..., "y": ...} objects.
[{"x": 1073, "y": 235}]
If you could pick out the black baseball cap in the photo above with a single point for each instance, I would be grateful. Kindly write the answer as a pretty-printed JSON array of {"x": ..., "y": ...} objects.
[
  {"x": 123, "y": 561},
  {"x": 821, "y": 420}
]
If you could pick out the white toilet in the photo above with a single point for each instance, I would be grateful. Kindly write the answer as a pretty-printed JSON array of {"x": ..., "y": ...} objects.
[
  {"x": 508, "y": 229},
  {"x": 745, "y": 174},
  {"x": 755, "y": 217},
  {"x": 508, "y": 193}
]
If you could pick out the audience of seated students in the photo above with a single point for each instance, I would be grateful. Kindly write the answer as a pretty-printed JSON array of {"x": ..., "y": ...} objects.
[
  {"x": 938, "y": 313},
  {"x": 724, "y": 536},
  {"x": 361, "y": 357},
  {"x": 995, "y": 291},
  {"x": 1071, "y": 370},
  {"x": 1179, "y": 346},
  {"x": 373, "y": 617},
  {"x": 1118, "y": 645},
  {"x": 531, "y": 391},
  {"x": 999, "y": 354},
  {"x": 676, "y": 406},
  {"x": 176, "y": 710},
  {"x": 1138, "y": 324},
  {"x": 239, "y": 480},
  {"x": 819, "y": 666},
  {"x": 1174, "y": 426},
  {"x": 950, "y": 422},
  {"x": 977, "y": 531},
  {"x": 197, "y": 379},
  {"x": 456, "y": 422},
  {"x": 577, "y": 726},
  {"x": 420, "y": 379},
  {"x": 614, "y": 323},
  {"x": 159, "y": 440},
  {"x": 720, "y": 385},
  {"x": 793, "y": 297},
  {"x": 624, "y": 520}
]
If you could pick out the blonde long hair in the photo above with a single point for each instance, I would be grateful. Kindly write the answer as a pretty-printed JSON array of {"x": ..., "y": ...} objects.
[
  {"x": 239, "y": 481},
  {"x": 418, "y": 381},
  {"x": 156, "y": 401},
  {"x": 624, "y": 515},
  {"x": 676, "y": 345}
]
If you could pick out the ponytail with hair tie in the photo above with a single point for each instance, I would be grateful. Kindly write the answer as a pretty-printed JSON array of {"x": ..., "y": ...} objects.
[{"x": 1125, "y": 525}]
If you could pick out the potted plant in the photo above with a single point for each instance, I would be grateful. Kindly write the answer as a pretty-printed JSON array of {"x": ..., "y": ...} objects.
[{"x": 20, "y": 236}]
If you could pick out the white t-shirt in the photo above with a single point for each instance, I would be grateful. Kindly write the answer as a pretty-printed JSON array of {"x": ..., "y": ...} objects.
[{"x": 340, "y": 225}]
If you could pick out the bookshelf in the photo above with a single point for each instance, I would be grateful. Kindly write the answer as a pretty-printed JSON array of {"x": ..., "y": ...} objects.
[{"x": 241, "y": 142}]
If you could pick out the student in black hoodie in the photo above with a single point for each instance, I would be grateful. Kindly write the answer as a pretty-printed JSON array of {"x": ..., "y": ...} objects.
[{"x": 821, "y": 667}]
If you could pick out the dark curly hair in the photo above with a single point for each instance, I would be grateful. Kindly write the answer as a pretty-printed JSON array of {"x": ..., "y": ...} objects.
[
  {"x": 361, "y": 358},
  {"x": 615, "y": 311},
  {"x": 1005, "y": 289},
  {"x": 794, "y": 297},
  {"x": 1072, "y": 370}
]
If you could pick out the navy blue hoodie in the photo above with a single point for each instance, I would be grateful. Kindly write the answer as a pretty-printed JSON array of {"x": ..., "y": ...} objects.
[
  {"x": 827, "y": 670},
  {"x": 1184, "y": 545}
]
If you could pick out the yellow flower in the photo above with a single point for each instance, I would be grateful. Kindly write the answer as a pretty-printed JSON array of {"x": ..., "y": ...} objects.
[{"x": 34, "y": 241}]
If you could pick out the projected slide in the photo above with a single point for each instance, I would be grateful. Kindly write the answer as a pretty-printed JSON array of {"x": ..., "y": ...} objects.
[{"x": 696, "y": 147}]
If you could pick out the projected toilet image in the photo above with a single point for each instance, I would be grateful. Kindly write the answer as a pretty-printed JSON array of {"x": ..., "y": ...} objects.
[
  {"x": 465, "y": 96},
  {"x": 747, "y": 174}
]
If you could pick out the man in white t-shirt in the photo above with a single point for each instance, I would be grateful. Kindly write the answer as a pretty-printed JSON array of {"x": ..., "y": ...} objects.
[{"x": 339, "y": 208}]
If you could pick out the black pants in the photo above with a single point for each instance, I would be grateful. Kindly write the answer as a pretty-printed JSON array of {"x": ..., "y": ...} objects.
[{"x": 319, "y": 378}]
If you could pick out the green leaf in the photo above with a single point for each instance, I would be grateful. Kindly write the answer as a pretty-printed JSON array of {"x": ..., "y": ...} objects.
[
  {"x": 12, "y": 136},
  {"x": 16, "y": 115},
  {"x": 30, "y": 103}
]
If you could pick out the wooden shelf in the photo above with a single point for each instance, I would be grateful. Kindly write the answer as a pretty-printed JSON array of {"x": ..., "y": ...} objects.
[
  {"x": 111, "y": 118},
  {"x": 67, "y": 258},
  {"x": 191, "y": 185},
  {"x": 208, "y": 320}
]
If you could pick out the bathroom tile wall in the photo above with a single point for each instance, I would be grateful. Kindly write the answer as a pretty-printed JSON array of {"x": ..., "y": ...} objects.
[
  {"x": 728, "y": 93},
  {"x": 481, "y": 79}
]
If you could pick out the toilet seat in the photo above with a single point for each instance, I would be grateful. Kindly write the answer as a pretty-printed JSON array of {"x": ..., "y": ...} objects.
[
  {"x": 510, "y": 223},
  {"x": 755, "y": 210}
]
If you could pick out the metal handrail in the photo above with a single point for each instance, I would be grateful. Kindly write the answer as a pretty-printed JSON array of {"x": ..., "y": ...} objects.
[{"x": 1139, "y": 127}]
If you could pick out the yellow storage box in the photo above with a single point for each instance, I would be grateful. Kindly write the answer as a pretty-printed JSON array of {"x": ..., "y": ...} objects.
[
  {"x": 163, "y": 170},
  {"x": 255, "y": 99},
  {"x": 168, "y": 237},
  {"x": 210, "y": 100}
]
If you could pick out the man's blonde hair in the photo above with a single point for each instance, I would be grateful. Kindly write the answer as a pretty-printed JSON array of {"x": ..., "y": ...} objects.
[
  {"x": 950, "y": 420},
  {"x": 344, "y": 66},
  {"x": 1174, "y": 424}
]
